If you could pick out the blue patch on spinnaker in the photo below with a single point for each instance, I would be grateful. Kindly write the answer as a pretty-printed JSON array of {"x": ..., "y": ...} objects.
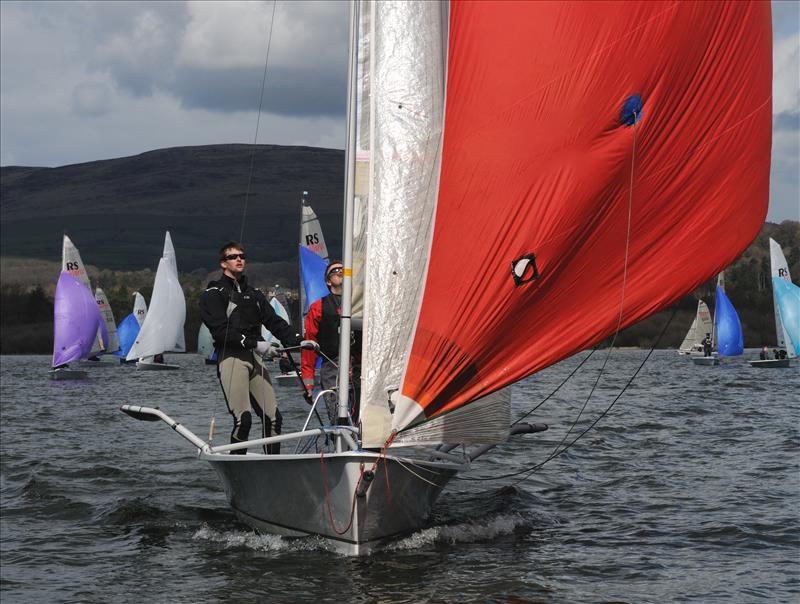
[{"x": 631, "y": 110}]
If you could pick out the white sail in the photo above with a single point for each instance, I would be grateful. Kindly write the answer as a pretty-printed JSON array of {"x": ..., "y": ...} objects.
[
  {"x": 310, "y": 237},
  {"x": 407, "y": 101},
  {"x": 311, "y": 231},
  {"x": 139, "y": 307},
  {"x": 169, "y": 256},
  {"x": 162, "y": 329},
  {"x": 108, "y": 317},
  {"x": 701, "y": 325},
  {"x": 205, "y": 342},
  {"x": 72, "y": 263},
  {"x": 363, "y": 109},
  {"x": 281, "y": 312},
  {"x": 779, "y": 268}
]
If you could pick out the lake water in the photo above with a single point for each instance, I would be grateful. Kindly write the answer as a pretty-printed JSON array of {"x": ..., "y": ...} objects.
[{"x": 687, "y": 491}]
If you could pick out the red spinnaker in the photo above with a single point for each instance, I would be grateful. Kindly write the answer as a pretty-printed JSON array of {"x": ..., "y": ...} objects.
[{"x": 536, "y": 161}]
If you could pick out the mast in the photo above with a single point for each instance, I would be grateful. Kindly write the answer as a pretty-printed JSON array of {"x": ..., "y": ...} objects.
[
  {"x": 347, "y": 239},
  {"x": 301, "y": 288}
]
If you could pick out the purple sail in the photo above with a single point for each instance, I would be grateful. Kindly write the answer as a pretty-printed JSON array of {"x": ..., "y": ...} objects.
[{"x": 77, "y": 319}]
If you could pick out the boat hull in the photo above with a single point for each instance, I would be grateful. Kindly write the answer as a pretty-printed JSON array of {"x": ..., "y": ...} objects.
[
  {"x": 710, "y": 361},
  {"x": 770, "y": 363},
  {"x": 286, "y": 379},
  {"x": 97, "y": 364},
  {"x": 67, "y": 374},
  {"x": 144, "y": 366},
  {"x": 302, "y": 495}
]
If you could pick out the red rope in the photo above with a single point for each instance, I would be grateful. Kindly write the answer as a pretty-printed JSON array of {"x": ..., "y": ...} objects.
[
  {"x": 328, "y": 499},
  {"x": 355, "y": 491}
]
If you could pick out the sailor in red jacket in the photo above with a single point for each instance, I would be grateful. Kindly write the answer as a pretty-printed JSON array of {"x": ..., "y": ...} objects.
[{"x": 322, "y": 326}]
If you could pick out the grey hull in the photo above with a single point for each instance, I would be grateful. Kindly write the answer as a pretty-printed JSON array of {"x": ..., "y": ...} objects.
[
  {"x": 300, "y": 495},
  {"x": 770, "y": 363},
  {"x": 143, "y": 366},
  {"x": 705, "y": 361},
  {"x": 287, "y": 379},
  {"x": 67, "y": 374},
  {"x": 98, "y": 364}
]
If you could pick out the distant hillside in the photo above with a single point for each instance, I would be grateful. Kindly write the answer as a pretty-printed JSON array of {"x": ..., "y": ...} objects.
[{"x": 116, "y": 210}]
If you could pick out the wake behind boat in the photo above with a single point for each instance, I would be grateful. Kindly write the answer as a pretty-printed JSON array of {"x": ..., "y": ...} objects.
[{"x": 521, "y": 228}]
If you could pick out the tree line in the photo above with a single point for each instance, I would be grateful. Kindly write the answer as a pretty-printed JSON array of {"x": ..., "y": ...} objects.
[{"x": 26, "y": 311}]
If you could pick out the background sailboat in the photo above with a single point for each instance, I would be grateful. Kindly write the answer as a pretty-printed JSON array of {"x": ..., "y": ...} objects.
[
  {"x": 162, "y": 329},
  {"x": 786, "y": 307},
  {"x": 702, "y": 324},
  {"x": 727, "y": 326},
  {"x": 112, "y": 345},
  {"x": 72, "y": 263},
  {"x": 205, "y": 345},
  {"x": 311, "y": 239},
  {"x": 77, "y": 321},
  {"x": 128, "y": 328}
]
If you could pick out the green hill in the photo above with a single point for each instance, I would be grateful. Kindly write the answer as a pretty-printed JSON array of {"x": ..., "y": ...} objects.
[{"x": 116, "y": 210}]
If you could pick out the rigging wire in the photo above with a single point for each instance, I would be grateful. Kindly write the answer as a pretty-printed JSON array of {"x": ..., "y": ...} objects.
[
  {"x": 531, "y": 469},
  {"x": 244, "y": 217},
  {"x": 258, "y": 121}
]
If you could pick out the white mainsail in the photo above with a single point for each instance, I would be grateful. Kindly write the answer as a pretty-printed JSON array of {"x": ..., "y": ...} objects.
[
  {"x": 701, "y": 325},
  {"x": 108, "y": 317},
  {"x": 779, "y": 268},
  {"x": 162, "y": 329},
  {"x": 205, "y": 342},
  {"x": 406, "y": 93},
  {"x": 312, "y": 238},
  {"x": 280, "y": 310},
  {"x": 72, "y": 263},
  {"x": 139, "y": 307}
]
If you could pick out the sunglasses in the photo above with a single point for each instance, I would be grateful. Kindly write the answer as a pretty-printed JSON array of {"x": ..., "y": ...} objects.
[
  {"x": 234, "y": 257},
  {"x": 335, "y": 271}
]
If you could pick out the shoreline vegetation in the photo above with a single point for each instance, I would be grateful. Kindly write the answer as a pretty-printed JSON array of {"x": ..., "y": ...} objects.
[{"x": 27, "y": 287}]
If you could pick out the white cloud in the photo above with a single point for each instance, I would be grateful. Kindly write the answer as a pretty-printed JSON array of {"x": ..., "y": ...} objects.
[
  {"x": 81, "y": 81},
  {"x": 91, "y": 99},
  {"x": 786, "y": 74},
  {"x": 225, "y": 35}
]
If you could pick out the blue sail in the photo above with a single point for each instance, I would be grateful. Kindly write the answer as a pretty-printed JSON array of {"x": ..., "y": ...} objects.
[
  {"x": 127, "y": 330},
  {"x": 312, "y": 267},
  {"x": 727, "y": 326},
  {"x": 787, "y": 295}
]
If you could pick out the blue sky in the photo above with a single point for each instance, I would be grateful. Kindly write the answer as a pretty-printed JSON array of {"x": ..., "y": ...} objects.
[{"x": 81, "y": 81}]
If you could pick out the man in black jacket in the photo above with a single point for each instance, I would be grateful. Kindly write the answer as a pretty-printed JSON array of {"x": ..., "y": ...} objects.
[{"x": 234, "y": 312}]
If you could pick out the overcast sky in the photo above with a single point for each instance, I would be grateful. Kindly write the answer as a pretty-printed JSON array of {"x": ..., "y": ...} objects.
[{"x": 81, "y": 81}]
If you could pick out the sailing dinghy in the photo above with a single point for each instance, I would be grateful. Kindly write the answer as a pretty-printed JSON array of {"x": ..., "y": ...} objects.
[
  {"x": 702, "y": 324},
  {"x": 205, "y": 345},
  {"x": 727, "y": 330},
  {"x": 129, "y": 328},
  {"x": 524, "y": 169},
  {"x": 77, "y": 321},
  {"x": 292, "y": 377},
  {"x": 786, "y": 307},
  {"x": 111, "y": 329},
  {"x": 162, "y": 329}
]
